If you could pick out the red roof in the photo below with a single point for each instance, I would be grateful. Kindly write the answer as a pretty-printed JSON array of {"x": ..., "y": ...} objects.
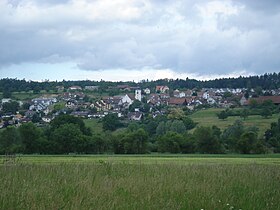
[{"x": 274, "y": 99}]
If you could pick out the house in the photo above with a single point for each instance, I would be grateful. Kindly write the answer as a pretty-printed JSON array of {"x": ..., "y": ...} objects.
[
  {"x": 154, "y": 99},
  {"x": 162, "y": 89},
  {"x": 147, "y": 91},
  {"x": 178, "y": 101},
  {"x": 70, "y": 104},
  {"x": 6, "y": 100},
  {"x": 44, "y": 101},
  {"x": 38, "y": 107},
  {"x": 29, "y": 113},
  {"x": 243, "y": 101},
  {"x": 188, "y": 93},
  {"x": 47, "y": 119},
  {"x": 179, "y": 94},
  {"x": 91, "y": 88},
  {"x": 275, "y": 99},
  {"x": 124, "y": 87},
  {"x": 83, "y": 114},
  {"x": 211, "y": 101},
  {"x": 205, "y": 95},
  {"x": 60, "y": 88},
  {"x": 75, "y": 88},
  {"x": 134, "y": 116}
]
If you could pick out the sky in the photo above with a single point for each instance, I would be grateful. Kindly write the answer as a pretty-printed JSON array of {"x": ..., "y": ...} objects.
[{"x": 125, "y": 40}]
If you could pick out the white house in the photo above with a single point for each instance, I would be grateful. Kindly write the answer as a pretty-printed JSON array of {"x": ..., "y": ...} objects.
[
  {"x": 126, "y": 99},
  {"x": 147, "y": 91}
]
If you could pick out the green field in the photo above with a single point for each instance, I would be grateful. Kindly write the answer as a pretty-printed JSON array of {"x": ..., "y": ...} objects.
[
  {"x": 208, "y": 117},
  {"x": 141, "y": 182}
]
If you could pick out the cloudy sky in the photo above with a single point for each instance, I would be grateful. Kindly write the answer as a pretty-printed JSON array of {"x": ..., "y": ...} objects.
[{"x": 138, "y": 39}]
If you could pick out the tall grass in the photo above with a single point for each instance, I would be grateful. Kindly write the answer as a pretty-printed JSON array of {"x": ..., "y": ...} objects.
[{"x": 116, "y": 185}]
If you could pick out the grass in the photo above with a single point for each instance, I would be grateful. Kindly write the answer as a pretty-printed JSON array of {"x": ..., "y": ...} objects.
[
  {"x": 208, "y": 117},
  {"x": 141, "y": 182},
  {"x": 94, "y": 125}
]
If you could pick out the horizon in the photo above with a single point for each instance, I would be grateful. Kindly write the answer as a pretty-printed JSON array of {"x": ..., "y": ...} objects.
[{"x": 140, "y": 81}]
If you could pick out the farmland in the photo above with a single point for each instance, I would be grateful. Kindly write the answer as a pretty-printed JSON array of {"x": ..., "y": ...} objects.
[
  {"x": 141, "y": 182},
  {"x": 208, "y": 117}
]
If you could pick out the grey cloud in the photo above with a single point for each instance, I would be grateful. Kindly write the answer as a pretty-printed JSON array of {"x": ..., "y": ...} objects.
[{"x": 171, "y": 35}]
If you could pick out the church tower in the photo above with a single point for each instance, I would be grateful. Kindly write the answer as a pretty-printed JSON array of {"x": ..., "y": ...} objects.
[{"x": 138, "y": 95}]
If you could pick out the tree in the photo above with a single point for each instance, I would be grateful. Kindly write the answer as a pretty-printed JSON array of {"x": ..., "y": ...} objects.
[
  {"x": 10, "y": 141},
  {"x": 111, "y": 122},
  {"x": 207, "y": 142},
  {"x": 244, "y": 113},
  {"x": 222, "y": 115},
  {"x": 134, "y": 105},
  {"x": 177, "y": 126},
  {"x": 67, "y": 138},
  {"x": 11, "y": 107},
  {"x": 232, "y": 134},
  {"x": 133, "y": 142},
  {"x": 170, "y": 142},
  {"x": 32, "y": 139},
  {"x": 247, "y": 142},
  {"x": 66, "y": 119},
  {"x": 266, "y": 112},
  {"x": 36, "y": 118},
  {"x": 189, "y": 123},
  {"x": 7, "y": 94},
  {"x": 161, "y": 129}
]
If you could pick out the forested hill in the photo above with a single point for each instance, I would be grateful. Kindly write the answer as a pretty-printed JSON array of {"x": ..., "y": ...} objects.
[{"x": 266, "y": 81}]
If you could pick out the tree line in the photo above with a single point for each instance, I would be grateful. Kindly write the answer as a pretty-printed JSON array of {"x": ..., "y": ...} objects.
[
  {"x": 165, "y": 134},
  {"x": 266, "y": 81}
]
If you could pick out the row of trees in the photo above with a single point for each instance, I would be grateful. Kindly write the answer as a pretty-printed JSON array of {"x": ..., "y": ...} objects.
[
  {"x": 266, "y": 81},
  {"x": 67, "y": 134}
]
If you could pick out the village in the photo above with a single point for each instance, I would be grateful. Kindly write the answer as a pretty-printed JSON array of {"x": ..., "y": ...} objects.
[{"x": 133, "y": 103}]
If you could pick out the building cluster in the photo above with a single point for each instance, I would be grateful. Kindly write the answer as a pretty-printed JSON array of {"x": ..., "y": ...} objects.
[{"x": 153, "y": 102}]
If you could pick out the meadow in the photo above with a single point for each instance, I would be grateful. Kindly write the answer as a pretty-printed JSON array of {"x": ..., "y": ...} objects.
[
  {"x": 208, "y": 117},
  {"x": 141, "y": 182}
]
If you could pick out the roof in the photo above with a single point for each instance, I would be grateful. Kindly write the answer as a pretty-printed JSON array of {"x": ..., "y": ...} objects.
[
  {"x": 274, "y": 99},
  {"x": 178, "y": 101}
]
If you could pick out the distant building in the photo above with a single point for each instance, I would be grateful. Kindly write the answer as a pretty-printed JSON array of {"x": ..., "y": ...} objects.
[
  {"x": 75, "y": 88},
  {"x": 138, "y": 95},
  {"x": 91, "y": 88},
  {"x": 147, "y": 91},
  {"x": 162, "y": 89}
]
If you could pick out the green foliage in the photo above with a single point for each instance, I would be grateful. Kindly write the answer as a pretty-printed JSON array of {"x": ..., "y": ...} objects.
[
  {"x": 207, "y": 140},
  {"x": 266, "y": 112},
  {"x": 134, "y": 105},
  {"x": 170, "y": 142},
  {"x": 10, "y": 107},
  {"x": 222, "y": 115},
  {"x": 111, "y": 122},
  {"x": 67, "y": 138},
  {"x": 7, "y": 94},
  {"x": 272, "y": 136},
  {"x": 247, "y": 142},
  {"x": 244, "y": 113},
  {"x": 66, "y": 119},
  {"x": 10, "y": 141},
  {"x": 131, "y": 142},
  {"x": 33, "y": 139}
]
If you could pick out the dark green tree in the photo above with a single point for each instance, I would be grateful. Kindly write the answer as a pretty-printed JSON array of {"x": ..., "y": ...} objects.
[
  {"x": 10, "y": 141},
  {"x": 111, "y": 122},
  {"x": 207, "y": 140},
  {"x": 222, "y": 115}
]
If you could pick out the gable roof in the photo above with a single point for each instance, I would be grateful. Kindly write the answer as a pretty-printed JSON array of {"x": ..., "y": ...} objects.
[{"x": 274, "y": 99}]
